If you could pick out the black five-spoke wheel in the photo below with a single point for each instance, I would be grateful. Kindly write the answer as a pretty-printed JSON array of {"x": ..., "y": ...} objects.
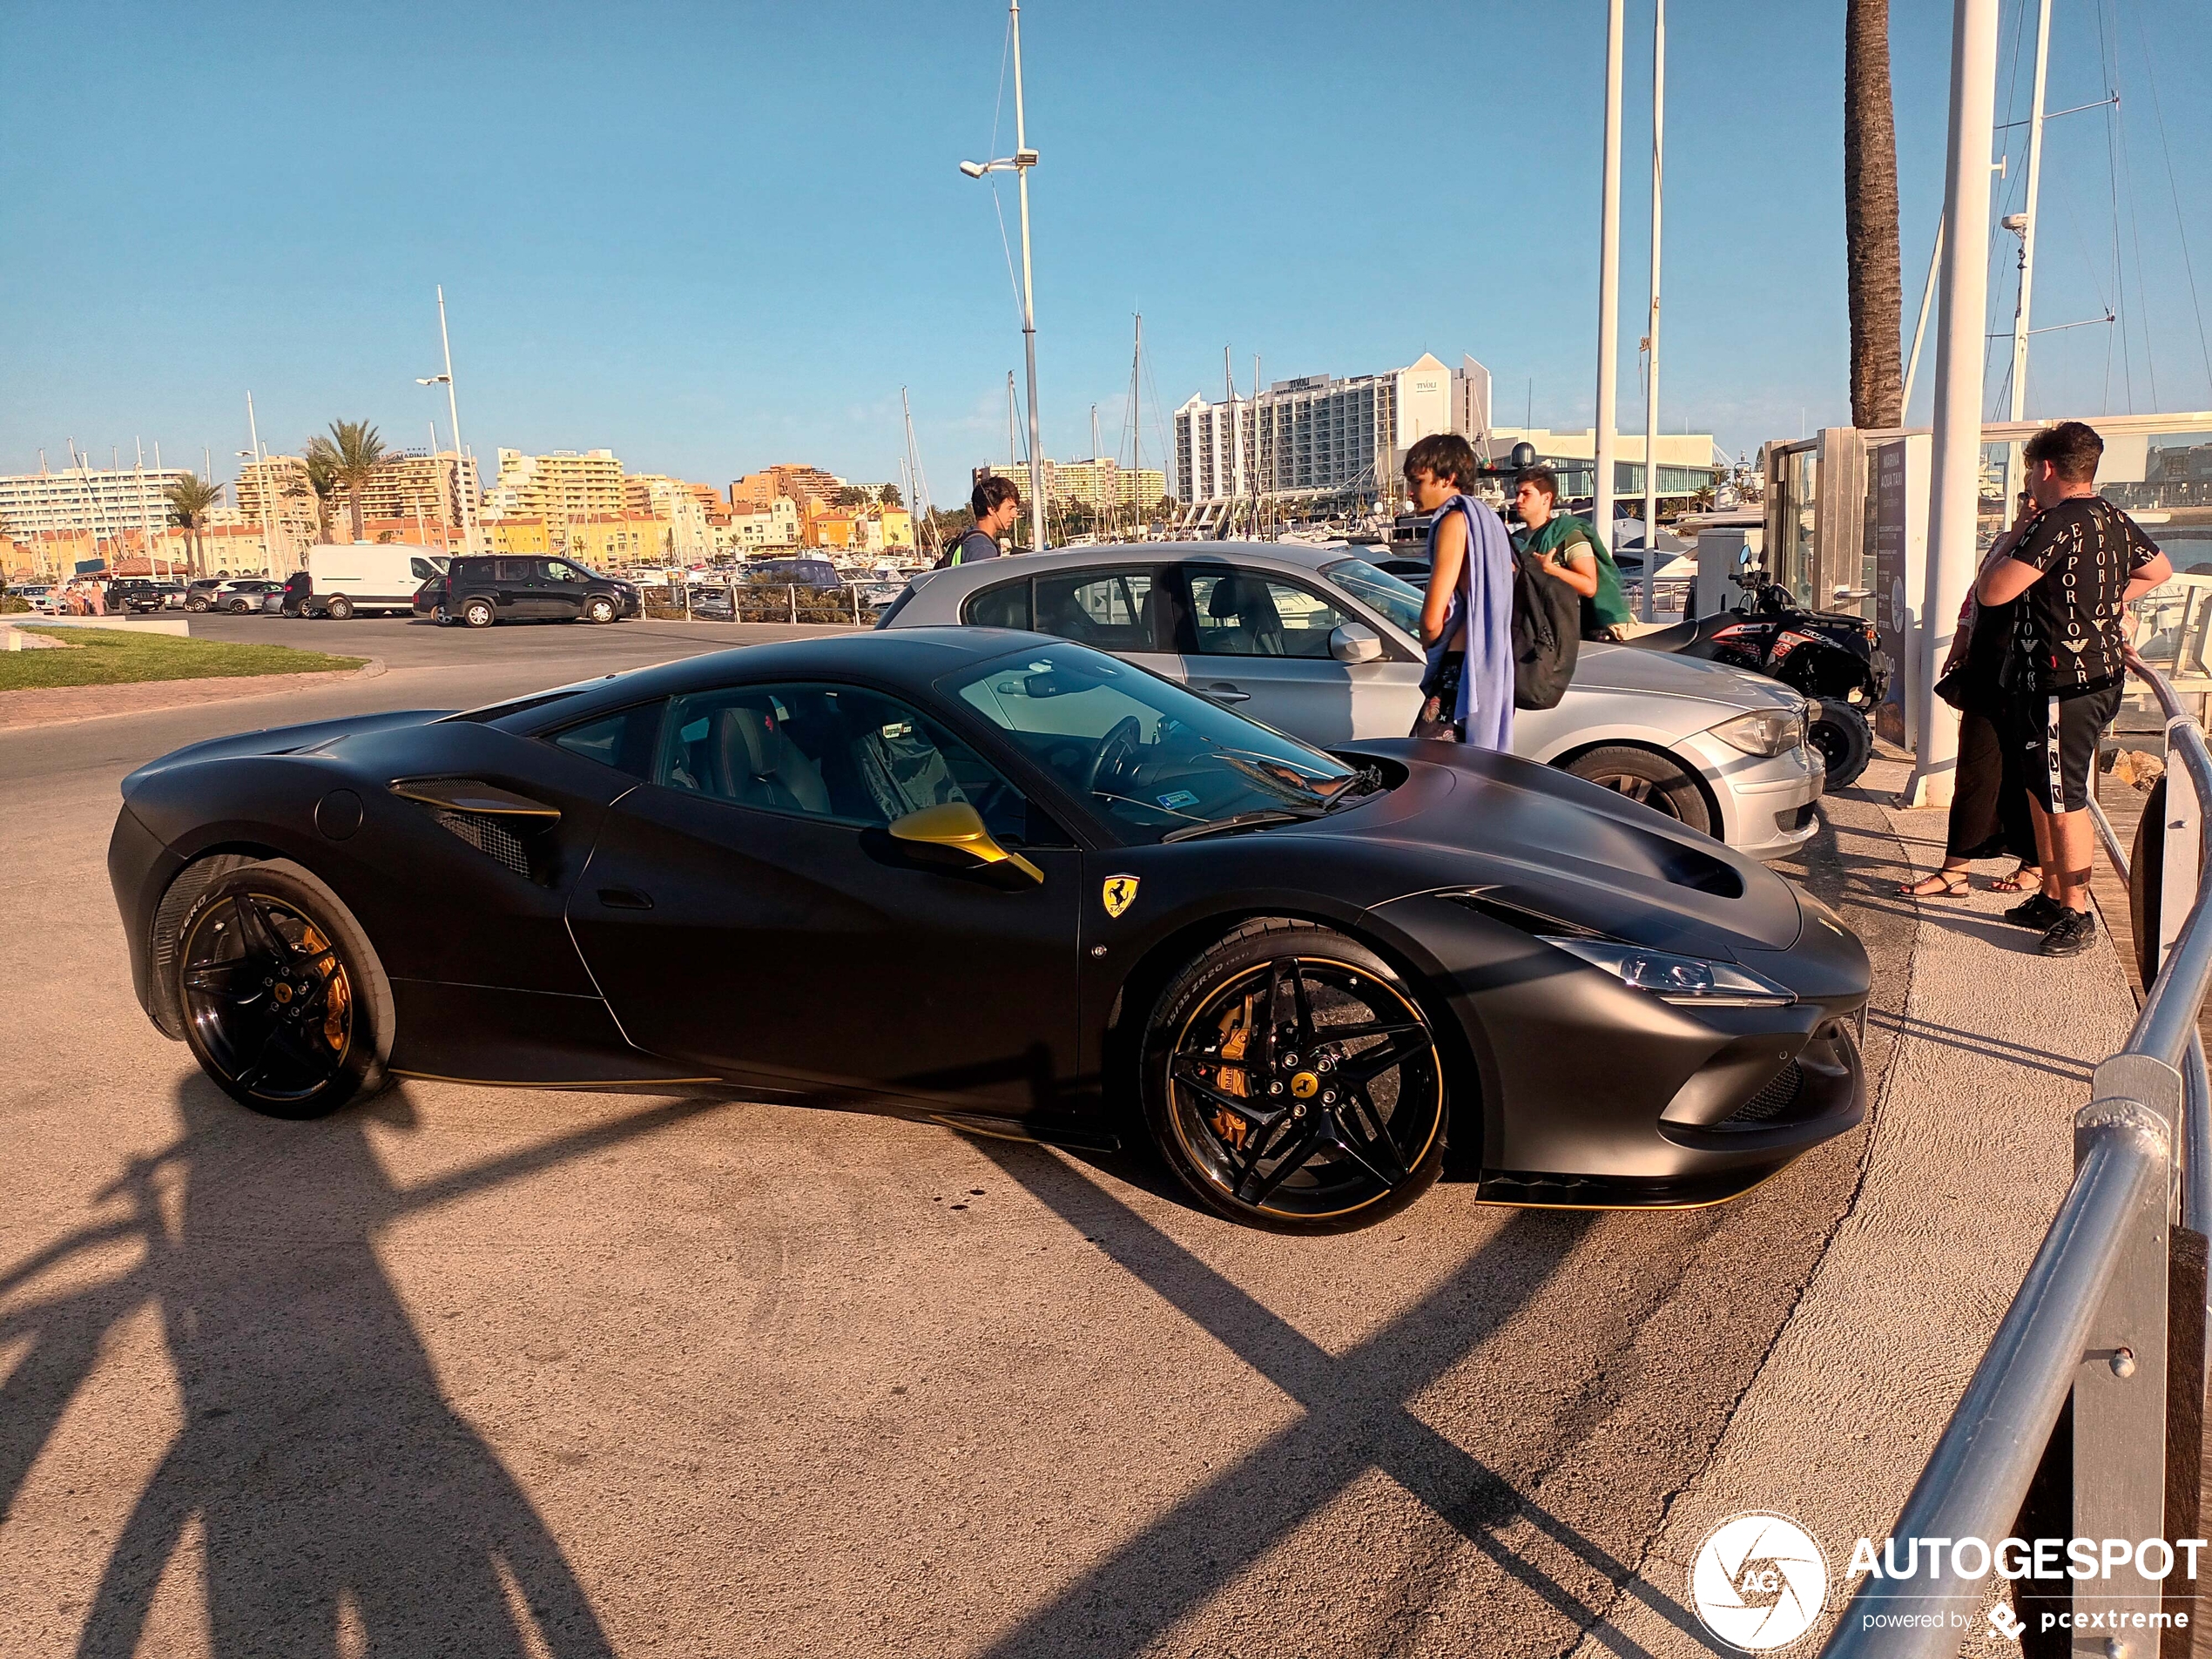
[
  {"x": 1290, "y": 1082},
  {"x": 281, "y": 997}
]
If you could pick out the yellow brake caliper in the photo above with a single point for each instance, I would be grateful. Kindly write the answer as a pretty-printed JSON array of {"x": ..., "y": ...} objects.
[{"x": 340, "y": 999}]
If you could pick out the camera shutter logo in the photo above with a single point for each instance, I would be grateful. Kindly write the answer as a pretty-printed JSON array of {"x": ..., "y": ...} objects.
[{"x": 1759, "y": 1582}]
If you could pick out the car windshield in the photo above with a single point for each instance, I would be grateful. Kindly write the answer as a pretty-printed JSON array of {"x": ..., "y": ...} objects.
[
  {"x": 1397, "y": 598},
  {"x": 1154, "y": 758}
]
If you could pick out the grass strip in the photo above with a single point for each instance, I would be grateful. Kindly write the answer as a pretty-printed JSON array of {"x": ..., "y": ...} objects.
[{"x": 106, "y": 657}]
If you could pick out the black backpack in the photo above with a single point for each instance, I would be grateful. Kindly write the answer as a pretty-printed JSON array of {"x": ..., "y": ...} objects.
[{"x": 1546, "y": 633}]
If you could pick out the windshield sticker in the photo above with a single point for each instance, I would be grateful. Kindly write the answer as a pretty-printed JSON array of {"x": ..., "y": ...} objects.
[{"x": 1179, "y": 798}]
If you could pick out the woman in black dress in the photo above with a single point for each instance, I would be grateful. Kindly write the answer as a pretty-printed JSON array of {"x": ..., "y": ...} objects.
[{"x": 1989, "y": 808}]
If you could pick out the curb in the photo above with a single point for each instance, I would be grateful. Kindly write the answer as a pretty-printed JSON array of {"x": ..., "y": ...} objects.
[{"x": 371, "y": 669}]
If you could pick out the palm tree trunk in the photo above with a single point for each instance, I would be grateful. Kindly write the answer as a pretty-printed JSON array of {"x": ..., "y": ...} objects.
[
  {"x": 354, "y": 508},
  {"x": 1869, "y": 218}
]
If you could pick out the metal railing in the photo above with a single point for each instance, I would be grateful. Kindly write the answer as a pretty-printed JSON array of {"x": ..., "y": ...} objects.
[{"x": 2090, "y": 1320}]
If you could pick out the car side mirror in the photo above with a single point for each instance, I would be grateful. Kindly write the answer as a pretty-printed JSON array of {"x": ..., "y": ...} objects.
[
  {"x": 1354, "y": 642},
  {"x": 958, "y": 828}
]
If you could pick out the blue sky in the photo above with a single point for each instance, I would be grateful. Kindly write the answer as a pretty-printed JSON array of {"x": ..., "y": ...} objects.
[{"x": 711, "y": 237}]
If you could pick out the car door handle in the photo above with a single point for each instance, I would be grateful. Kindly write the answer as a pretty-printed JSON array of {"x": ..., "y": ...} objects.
[
  {"x": 625, "y": 898},
  {"x": 1226, "y": 693}
]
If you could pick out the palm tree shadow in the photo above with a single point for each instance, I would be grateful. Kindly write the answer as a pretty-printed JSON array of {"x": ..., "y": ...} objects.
[{"x": 332, "y": 1481}]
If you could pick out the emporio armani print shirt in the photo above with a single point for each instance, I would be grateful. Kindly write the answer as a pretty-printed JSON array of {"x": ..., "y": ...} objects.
[{"x": 2067, "y": 631}]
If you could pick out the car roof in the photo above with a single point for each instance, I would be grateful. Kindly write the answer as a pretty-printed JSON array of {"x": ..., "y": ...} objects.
[
  {"x": 1304, "y": 555},
  {"x": 910, "y": 657}
]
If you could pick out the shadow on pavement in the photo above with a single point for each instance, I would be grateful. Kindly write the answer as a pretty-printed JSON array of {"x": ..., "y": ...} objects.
[
  {"x": 1356, "y": 1416},
  {"x": 335, "y": 1486}
]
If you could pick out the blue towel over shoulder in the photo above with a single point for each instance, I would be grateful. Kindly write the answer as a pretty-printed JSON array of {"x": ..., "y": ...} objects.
[{"x": 1480, "y": 623}]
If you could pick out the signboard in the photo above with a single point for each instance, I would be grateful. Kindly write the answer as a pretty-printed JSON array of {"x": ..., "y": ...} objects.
[
  {"x": 1900, "y": 471},
  {"x": 90, "y": 567}
]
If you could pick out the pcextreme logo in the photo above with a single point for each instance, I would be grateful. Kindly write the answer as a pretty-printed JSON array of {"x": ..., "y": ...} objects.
[{"x": 1759, "y": 1582}]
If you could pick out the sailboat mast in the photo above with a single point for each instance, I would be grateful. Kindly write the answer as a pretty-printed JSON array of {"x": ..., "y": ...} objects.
[
  {"x": 1136, "y": 431},
  {"x": 2027, "y": 228}
]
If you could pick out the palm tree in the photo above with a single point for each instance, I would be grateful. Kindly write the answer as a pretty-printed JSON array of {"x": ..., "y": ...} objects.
[
  {"x": 355, "y": 450},
  {"x": 190, "y": 501},
  {"x": 1869, "y": 218},
  {"x": 323, "y": 478}
]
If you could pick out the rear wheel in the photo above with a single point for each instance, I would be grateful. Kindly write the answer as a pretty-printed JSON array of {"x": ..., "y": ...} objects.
[
  {"x": 285, "y": 1004},
  {"x": 1657, "y": 781},
  {"x": 1292, "y": 1082},
  {"x": 1841, "y": 734},
  {"x": 340, "y": 609},
  {"x": 477, "y": 613}
]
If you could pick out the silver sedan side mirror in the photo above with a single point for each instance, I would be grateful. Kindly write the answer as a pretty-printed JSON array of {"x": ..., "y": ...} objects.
[{"x": 1354, "y": 642}]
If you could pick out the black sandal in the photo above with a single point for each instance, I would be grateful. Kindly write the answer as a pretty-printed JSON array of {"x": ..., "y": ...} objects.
[{"x": 1955, "y": 882}]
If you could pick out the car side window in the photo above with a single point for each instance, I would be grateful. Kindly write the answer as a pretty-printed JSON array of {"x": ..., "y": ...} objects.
[
  {"x": 558, "y": 571},
  {"x": 623, "y": 741},
  {"x": 1113, "y": 611},
  {"x": 512, "y": 570},
  {"x": 1004, "y": 606},
  {"x": 1241, "y": 613},
  {"x": 837, "y": 752},
  {"x": 420, "y": 569}
]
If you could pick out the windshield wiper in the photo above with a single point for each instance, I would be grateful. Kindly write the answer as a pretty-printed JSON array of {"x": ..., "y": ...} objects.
[
  {"x": 1362, "y": 784},
  {"x": 1238, "y": 820}
]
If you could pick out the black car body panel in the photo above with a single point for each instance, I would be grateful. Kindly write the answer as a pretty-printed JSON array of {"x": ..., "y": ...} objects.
[{"x": 652, "y": 934}]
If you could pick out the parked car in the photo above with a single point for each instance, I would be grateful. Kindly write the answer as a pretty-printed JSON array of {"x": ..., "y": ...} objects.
[
  {"x": 479, "y": 592},
  {"x": 805, "y": 573},
  {"x": 240, "y": 596},
  {"x": 1320, "y": 643},
  {"x": 136, "y": 595},
  {"x": 1057, "y": 885},
  {"x": 345, "y": 579}
]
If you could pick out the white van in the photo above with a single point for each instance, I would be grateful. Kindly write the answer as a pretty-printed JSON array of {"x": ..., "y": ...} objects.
[{"x": 352, "y": 577}]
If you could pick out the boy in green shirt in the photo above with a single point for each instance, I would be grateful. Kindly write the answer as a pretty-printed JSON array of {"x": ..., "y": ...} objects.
[{"x": 1571, "y": 550}]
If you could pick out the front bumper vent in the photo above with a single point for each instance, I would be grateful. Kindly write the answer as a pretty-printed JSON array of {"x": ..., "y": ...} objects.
[{"x": 1772, "y": 1101}]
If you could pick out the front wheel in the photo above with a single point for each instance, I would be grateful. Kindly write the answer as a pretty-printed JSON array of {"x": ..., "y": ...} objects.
[
  {"x": 286, "y": 1006},
  {"x": 1841, "y": 734},
  {"x": 1655, "y": 781},
  {"x": 477, "y": 613},
  {"x": 599, "y": 610},
  {"x": 1291, "y": 1082}
]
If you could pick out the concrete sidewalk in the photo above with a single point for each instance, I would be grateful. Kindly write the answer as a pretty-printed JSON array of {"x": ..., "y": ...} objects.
[{"x": 1971, "y": 1151}]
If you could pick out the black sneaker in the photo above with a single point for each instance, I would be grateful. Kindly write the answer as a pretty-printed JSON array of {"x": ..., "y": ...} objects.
[
  {"x": 2072, "y": 934},
  {"x": 2040, "y": 911}
]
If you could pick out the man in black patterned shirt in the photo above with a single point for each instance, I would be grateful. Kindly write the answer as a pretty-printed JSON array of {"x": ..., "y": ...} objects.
[{"x": 2080, "y": 563}]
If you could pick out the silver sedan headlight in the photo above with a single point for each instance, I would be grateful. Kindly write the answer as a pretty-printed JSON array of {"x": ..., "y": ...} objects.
[
  {"x": 1678, "y": 979},
  {"x": 1763, "y": 731}
]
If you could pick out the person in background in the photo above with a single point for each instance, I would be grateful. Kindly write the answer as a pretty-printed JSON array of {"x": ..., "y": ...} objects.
[
  {"x": 2080, "y": 562},
  {"x": 1466, "y": 618},
  {"x": 1571, "y": 551},
  {"x": 997, "y": 506},
  {"x": 1989, "y": 807}
]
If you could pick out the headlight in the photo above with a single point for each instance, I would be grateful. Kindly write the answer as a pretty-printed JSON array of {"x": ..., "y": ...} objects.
[
  {"x": 1763, "y": 731},
  {"x": 1678, "y": 979}
]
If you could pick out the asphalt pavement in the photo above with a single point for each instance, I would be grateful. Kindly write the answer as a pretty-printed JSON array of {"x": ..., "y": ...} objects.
[{"x": 475, "y": 1370}]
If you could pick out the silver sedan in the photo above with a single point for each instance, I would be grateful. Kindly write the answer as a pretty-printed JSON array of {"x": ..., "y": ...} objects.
[{"x": 1318, "y": 642}]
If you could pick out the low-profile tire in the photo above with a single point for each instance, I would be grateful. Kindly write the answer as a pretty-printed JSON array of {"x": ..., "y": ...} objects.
[
  {"x": 1657, "y": 781},
  {"x": 1341, "y": 1130},
  {"x": 340, "y": 609},
  {"x": 1841, "y": 734},
  {"x": 477, "y": 613},
  {"x": 599, "y": 608},
  {"x": 285, "y": 1004}
]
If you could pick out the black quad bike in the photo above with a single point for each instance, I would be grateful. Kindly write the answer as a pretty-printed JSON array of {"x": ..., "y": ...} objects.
[{"x": 1827, "y": 655}]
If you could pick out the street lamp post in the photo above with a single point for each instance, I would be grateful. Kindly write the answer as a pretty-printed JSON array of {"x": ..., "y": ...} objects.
[
  {"x": 453, "y": 412},
  {"x": 1019, "y": 164}
]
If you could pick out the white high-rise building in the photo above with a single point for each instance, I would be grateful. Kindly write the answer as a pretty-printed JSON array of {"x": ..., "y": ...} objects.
[
  {"x": 1310, "y": 440},
  {"x": 101, "y": 501}
]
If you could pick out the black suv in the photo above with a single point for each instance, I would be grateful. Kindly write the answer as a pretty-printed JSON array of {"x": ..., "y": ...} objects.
[{"x": 480, "y": 591}]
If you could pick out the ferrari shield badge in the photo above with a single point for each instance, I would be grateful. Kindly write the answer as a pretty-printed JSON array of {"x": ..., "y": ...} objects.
[{"x": 1119, "y": 894}]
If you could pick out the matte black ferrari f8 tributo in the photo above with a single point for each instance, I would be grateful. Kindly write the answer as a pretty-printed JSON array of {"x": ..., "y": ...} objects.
[{"x": 1013, "y": 885}]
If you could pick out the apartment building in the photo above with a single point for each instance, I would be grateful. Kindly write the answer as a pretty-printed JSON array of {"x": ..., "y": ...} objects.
[
  {"x": 554, "y": 486},
  {"x": 809, "y": 486},
  {"x": 1318, "y": 437},
  {"x": 612, "y": 541},
  {"x": 752, "y": 530},
  {"x": 101, "y": 501},
  {"x": 414, "y": 484},
  {"x": 1104, "y": 485}
]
